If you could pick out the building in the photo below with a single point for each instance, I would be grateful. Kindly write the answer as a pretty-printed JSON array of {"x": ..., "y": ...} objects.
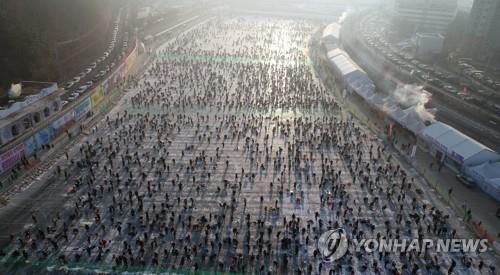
[
  {"x": 483, "y": 38},
  {"x": 423, "y": 15},
  {"x": 428, "y": 45},
  {"x": 38, "y": 102}
]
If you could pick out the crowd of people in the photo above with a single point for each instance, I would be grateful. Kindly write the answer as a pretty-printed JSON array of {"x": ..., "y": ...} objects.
[{"x": 229, "y": 155}]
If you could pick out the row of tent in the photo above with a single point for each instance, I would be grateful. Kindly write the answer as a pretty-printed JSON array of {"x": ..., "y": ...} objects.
[
  {"x": 331, "y": 34},
  {"x": 355, "y": 80},
  {"x": 466, "y": 155},
  {"x": 469, "y": 156}
]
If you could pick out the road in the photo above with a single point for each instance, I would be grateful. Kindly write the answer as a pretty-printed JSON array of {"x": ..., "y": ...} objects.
[{"x": 461, "y": 115}]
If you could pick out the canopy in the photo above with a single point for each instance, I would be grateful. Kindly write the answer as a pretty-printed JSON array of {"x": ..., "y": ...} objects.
[
  {"x": 487, "y": 177},
  {"x": 331, "y": 33},
  {"x": 452, "y": 141}
]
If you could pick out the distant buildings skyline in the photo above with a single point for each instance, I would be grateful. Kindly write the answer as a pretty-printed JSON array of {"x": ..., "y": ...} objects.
[
  {"x": 483, "y": 33},
  {"x": 424, "y": 15}
]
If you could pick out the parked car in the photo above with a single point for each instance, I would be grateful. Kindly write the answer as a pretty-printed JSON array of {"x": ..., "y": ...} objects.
[
  {"x": 82, "y": 89},
  {"x": 69, "y": 84},
  {"x": 467, "y": 181},
  {"x": 450, "y": 89}
]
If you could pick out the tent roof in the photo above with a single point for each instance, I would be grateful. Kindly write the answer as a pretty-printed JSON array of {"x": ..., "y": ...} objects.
[
  {"x": 331, "y": 54},
  {"x": 436, "y": 129},
  {"x": 488, "y": 170},
  {"x": 353, "y": 76},
  {"x": 408, "y": 118},
  {"x": 344, "y": 64},
  {"x": 453, "y": 140},
  {"x": 332, "y": 30},
  {"x": 469, "y": 148}
]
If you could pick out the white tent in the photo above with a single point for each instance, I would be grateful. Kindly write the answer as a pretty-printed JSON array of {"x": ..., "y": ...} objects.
[
  {"x": 331, "y": 33},
  {"x": 487, "y": 177},
  {"x": 354, "y": 78},
  {"x": 456, "y": 145}
]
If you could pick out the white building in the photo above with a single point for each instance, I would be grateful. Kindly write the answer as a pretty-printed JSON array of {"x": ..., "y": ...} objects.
[
  {"x": 425, "y": 15},
  {"x": 428, "y": 44}
]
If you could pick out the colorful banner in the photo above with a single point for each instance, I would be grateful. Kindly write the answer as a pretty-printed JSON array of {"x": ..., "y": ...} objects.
[
  {"x": 44, "y": 136},
  {"x": 96, "y": 98},
  {"x": 41, "y": 138},
  {"x": 105, "y": 87},
  {"x": 30, "y": 146},
  {"x": 131, "y": 60},
  {"x": 62, "y": 121},
  {"x": 10, "y": 158},
  {"x": 118, "y": 75},
  {"x": 83, "y": 108}
]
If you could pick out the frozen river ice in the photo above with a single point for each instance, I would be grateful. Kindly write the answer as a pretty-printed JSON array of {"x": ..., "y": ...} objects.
[{"x": 229, "y": 155}]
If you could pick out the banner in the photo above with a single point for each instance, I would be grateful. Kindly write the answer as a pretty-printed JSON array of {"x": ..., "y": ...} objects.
[
  {"x": 118, "y": 75},
  {"x": 30, "y": 146},
  {"x": 62, "y": 121},
  {"x": 11, "y": 157},
  {"x": 96, "y": 97},
  {"x": 105, "y": 87},
  {"x": 35, "y": 142},
  {"x": 44, "y": 136},
  {"x": 131, "y": 60},
  {"x": 83, "y": 108}
]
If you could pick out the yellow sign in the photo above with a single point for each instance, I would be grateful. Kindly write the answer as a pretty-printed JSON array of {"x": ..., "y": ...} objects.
[{"x": 96, "y": 97}]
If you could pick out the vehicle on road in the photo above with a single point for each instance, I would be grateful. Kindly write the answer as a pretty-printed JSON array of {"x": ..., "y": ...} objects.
[
  {"x": 82, "y": 89},
  {"x": 69, "y": 84},
  {"x": 465, "y": 180}
]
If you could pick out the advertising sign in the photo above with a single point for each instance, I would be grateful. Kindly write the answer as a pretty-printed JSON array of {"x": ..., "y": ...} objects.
[
  {"x": 83, "y": 108},
  {"x": 11, "y": 157},
  {"x": 105, "y": 87},
  {"x": 61, "y": 124},
  {"x": 30, "y": 146},
  {"x": 41, "y": 138},
  {"x": 44, "y": 136},
  {"x": 96, "y": 97}
]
